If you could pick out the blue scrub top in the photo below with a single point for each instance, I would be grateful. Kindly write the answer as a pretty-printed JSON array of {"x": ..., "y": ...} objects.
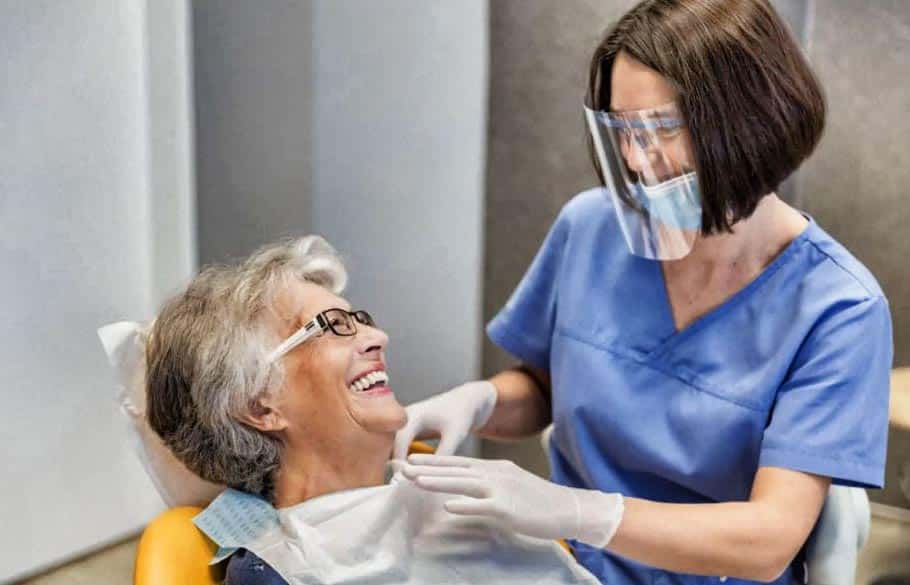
[{"x": 792, "y": 371}]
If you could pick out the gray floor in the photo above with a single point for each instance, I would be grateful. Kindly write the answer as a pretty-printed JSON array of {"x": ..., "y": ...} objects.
[
  {"x": 111, "y": 566},
  {"x": 887, "y": 553}
]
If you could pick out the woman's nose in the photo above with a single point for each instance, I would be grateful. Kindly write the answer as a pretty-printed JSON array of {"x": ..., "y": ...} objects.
[
  {"x": 637, "y": 157},
  {"x": 371, "y": 338}
]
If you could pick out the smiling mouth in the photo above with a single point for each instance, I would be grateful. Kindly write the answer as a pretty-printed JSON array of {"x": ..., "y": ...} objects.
[{"x": 370, "y": 382}]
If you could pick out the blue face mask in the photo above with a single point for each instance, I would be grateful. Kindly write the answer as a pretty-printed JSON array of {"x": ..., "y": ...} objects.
[{"x": 674, "y": 203}]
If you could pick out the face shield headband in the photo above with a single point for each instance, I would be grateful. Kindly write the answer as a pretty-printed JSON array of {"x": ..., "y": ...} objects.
[{"x": 645, "y": 158}]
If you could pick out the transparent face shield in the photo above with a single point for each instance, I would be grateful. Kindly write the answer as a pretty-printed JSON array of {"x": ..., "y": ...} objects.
[{"x": 645, "y": 157}]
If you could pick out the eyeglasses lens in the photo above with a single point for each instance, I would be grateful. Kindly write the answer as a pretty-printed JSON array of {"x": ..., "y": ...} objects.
[
  {"x": 340, "y": 322},
  {"x": 364, "y": 318}
]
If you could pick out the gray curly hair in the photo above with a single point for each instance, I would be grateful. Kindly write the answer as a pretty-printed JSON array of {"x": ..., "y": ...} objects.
[{"x": 207, "y": 361}]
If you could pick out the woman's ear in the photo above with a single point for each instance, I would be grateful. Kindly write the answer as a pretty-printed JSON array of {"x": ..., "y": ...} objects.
[{"x": 265, "y": 416}]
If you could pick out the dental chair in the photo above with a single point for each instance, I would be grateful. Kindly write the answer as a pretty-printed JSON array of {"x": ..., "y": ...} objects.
[
  {"x": 841, "y": 531},
  {"x": 172, "y": 551}
]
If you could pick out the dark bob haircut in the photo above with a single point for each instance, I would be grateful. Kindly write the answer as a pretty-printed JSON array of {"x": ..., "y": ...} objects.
[{"x": 752, "y": 105}]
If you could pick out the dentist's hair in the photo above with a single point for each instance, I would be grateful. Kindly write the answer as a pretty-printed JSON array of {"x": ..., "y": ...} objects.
[
  {"x": 207, "y": 361},
  {"x": 753, "y": 106}
]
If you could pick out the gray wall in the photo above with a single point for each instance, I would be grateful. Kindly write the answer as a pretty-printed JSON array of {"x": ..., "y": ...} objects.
[
  {"x": 363, "y": 122},
  {"x": 854, "y": 184},
  {"x": 539, "y": 53},
  {"x": 94, "y": 120},
  {"x": 254, "y": 102},
  {"x": 400, "y": 133}
]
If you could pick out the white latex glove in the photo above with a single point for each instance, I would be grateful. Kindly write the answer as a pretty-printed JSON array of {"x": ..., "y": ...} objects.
[
  {"x": 524, "y": 502},
  {"x": 453, "y": 415}
]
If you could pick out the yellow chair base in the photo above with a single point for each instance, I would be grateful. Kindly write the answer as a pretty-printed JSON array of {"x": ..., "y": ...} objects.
[{"x": 172, "y": 550}]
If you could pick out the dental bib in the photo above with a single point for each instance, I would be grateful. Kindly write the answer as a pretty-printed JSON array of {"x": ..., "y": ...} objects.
[{"x": 395, "y": 533}]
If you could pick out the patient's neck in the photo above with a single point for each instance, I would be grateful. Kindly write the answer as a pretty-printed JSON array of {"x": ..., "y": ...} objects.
[{"x": 312, "y": 470}]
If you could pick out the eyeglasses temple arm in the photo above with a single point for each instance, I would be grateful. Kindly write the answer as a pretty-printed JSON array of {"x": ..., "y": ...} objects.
[{"x": 293, "y": 341}]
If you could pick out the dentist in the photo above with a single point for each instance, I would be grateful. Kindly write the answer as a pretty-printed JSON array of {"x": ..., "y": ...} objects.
[{"x": 711, "y": 359}]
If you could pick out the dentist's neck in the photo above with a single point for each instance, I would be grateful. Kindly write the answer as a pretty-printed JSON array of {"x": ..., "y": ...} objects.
[
  {"x": 754, "y": 241},
  {"x": 323, "y": 467}
]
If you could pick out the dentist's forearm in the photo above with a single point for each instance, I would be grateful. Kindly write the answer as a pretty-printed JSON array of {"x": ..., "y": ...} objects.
[
  {"x": 704, "y": 539},
  {"x": 753, "y": 540},
  {"x": 522, "y": 405}
]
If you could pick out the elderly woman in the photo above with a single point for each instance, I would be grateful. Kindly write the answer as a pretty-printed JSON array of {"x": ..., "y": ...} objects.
[
  {"x": 260, "y": 377},
  {"x": 289, "y": 424}
]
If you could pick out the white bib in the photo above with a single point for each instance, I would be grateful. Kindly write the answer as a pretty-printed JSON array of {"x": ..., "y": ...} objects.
[{"x": 396, "y": 533}]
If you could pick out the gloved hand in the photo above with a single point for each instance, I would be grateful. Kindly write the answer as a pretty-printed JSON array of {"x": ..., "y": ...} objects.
[
  {"x": 453, "y": 415},
  {"x": 524, "y": 502}
]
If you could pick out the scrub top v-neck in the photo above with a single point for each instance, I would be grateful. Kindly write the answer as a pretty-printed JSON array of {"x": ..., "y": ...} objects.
[{"x": 792, "y": 371}]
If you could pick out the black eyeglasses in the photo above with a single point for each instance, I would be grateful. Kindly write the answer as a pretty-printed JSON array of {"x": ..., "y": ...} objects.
[{"x": 339, "y": 321}]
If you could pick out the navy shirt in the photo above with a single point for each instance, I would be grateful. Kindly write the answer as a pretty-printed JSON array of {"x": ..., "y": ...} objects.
[{"x": 245, "y": 568}]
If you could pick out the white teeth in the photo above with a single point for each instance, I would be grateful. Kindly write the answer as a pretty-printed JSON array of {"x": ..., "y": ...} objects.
[{"x": 368, "y": 380}]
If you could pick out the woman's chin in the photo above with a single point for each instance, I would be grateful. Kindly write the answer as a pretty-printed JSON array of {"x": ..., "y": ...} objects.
[
  {"x": 395, "y": 420},
  {"x": 384, "y": 415}
]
